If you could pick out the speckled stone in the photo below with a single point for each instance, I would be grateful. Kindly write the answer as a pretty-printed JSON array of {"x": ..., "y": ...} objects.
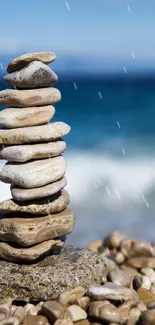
[
  {"x": 36, "y": 74},
  {"x": 47, "y": 279}
]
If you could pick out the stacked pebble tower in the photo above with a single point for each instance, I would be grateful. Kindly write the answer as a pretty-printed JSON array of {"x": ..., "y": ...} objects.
[{"x": 35, "y": 221}]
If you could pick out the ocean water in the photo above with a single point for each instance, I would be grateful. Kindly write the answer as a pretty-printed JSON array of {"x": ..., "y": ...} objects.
[{"x": 110, "y": 155}]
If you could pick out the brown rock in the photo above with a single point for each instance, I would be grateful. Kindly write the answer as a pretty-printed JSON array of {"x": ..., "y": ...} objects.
[
  {"x": 145, "y": 295},
  {"x": 51, "y": 204},
  {"x": 142, "y": 261},
  {"x": 104, "y": 311},
  {"x": 124, "y": 309},
  {"x": 23, "y": 60},
  {"x": 65, "y": 322},
  {"x": 82, "y": 302},
  {"x": 119, "y": 277},
  {"x": 95, "y": 245},
  {"x": 52, "y": 310},
  {"x": 134, "y": 316},
  {"x": 31, "y": 231},
  {"x": 30, "y": 97},
  {"x": 31, "y": 254},
  {"x": 35, "y": 320},
  {"x": 29, "y": 116},
  {"x": 148, "y": 317}
]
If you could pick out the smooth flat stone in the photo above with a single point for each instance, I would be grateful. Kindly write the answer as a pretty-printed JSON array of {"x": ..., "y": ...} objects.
[
  {"x": 111, "y": 291},
  {"x": 21, "y": 194},
  {"x": 30, "y": 254},
  {"x": 51, "y": 204},
  {"x": 21, "y": 61},
  {"x": 34, "y": 174},
  {"x": 28, "y": 231},
  {"x": 142, "y": 261},
  {"x": 43, "y": 133},
  {"x": 29, "y": 97},
  {"x": 29, "y": 116},
  {"x": 47, "y": 279},
  {"x": 145, "y": 295},
  {"x": 24, "y": 153},
  {"x": 36, "y": 74}
]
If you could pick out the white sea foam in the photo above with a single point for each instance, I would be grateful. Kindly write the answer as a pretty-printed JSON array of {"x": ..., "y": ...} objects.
[{"x": 89, "y": 176}]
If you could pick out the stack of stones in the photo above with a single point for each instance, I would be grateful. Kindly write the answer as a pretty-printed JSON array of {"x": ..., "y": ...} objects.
[{"x": 35, "y": 221}]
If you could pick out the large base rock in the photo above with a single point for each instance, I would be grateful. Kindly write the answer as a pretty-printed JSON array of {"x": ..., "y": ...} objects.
[{"x": 48, "y": 278}]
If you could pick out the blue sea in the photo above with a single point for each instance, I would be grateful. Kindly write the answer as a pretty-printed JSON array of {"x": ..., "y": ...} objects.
[{"x": 110, "y": 155}]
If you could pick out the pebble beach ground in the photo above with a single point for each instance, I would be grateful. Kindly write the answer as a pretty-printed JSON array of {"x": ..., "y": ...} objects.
[{"x": 126, "y": 294}]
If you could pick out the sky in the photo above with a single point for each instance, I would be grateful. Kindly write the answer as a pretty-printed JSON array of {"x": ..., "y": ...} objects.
[{"x": 99, "y": 34}]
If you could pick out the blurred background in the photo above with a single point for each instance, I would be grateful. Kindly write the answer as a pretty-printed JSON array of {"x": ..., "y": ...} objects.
[{"x": 106, "y": 67}]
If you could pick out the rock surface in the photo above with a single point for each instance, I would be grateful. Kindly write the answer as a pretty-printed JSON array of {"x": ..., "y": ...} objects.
[
  {"x": 34, "y": 174},
  {"x": 47, "y": 279},
  {"x": 29, "y": 231},
  {"x": 22, "y": 194},
  {"x": 21, "y": 61},
  {"x": 29, "y": 116},
  {"x": 51, "y": 204},
  {"x": 30, "y": 97},
  {"x": 24, "y": 153},
  {"x": 30, "y": 254},
  {"x": 43, "y": 133},
  {"x": 36, "y": 74}
]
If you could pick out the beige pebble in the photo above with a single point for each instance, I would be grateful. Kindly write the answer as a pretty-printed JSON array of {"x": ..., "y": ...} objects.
[
  {"x": 124, "y": 309},
  {"x": 27, "y": 194},
  {"x": 65, "y": 322},
  {"x": 141, "y": 248},
  {"x": 134, "y": 316},
  {"x": 34, "y": 134},
  {"x": 11, "y": 321},
  {"x": 141, "y": 305},
  {"x": 39, "y": 305},
  {"x": 27, "y": 307},
  {"x": 114, "y": 240},
  {"x": 104, "y": 279},
  {"x": 82, "y": 322},
  {"x": 95, "y": 245},
  {"x": 148, "y": 272},
  {"x": 23, "y": 60},
  {"x": 126, "y": 246},
  {"x": 142, "y": 281},
  {"x": 69, "y": 296},
  {"x": 29, "y": 97},
  {"x": 36, "y": 74},
  {"x": 19, "y": 313},
  {"x": 111, "y": 291},
  {"x": 119, "y": 277},
  {"x": 152, "y": 289},
  {"x": 5, "y": 308},
  {"x": 52, "y": 310},
  {"x": 33, "y": 311},
  {"x": 130, "y": 270},
  {"x": 142, "y": 261},
  {"x": 82, "y": 302},
  {"x": 119, "y": 258},
  {"x": 34, "y": 174},
  {"x": 110, "y": 265},
  {"x": 27, "y": 152},
  {"x": 104, "y": 312},
  {"x": 35, "y": 320},
  {"x": 77, "y": 313},
  {"x": 13, "y": 308},
  {"x": 148, "y": 317}
]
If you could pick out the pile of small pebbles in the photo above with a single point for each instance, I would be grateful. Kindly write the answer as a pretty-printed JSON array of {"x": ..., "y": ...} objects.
[{"x": 125, "y": 296}]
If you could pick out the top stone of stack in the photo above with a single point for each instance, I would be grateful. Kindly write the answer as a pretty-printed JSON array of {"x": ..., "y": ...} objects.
[{"x": 23, "y": 60}]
